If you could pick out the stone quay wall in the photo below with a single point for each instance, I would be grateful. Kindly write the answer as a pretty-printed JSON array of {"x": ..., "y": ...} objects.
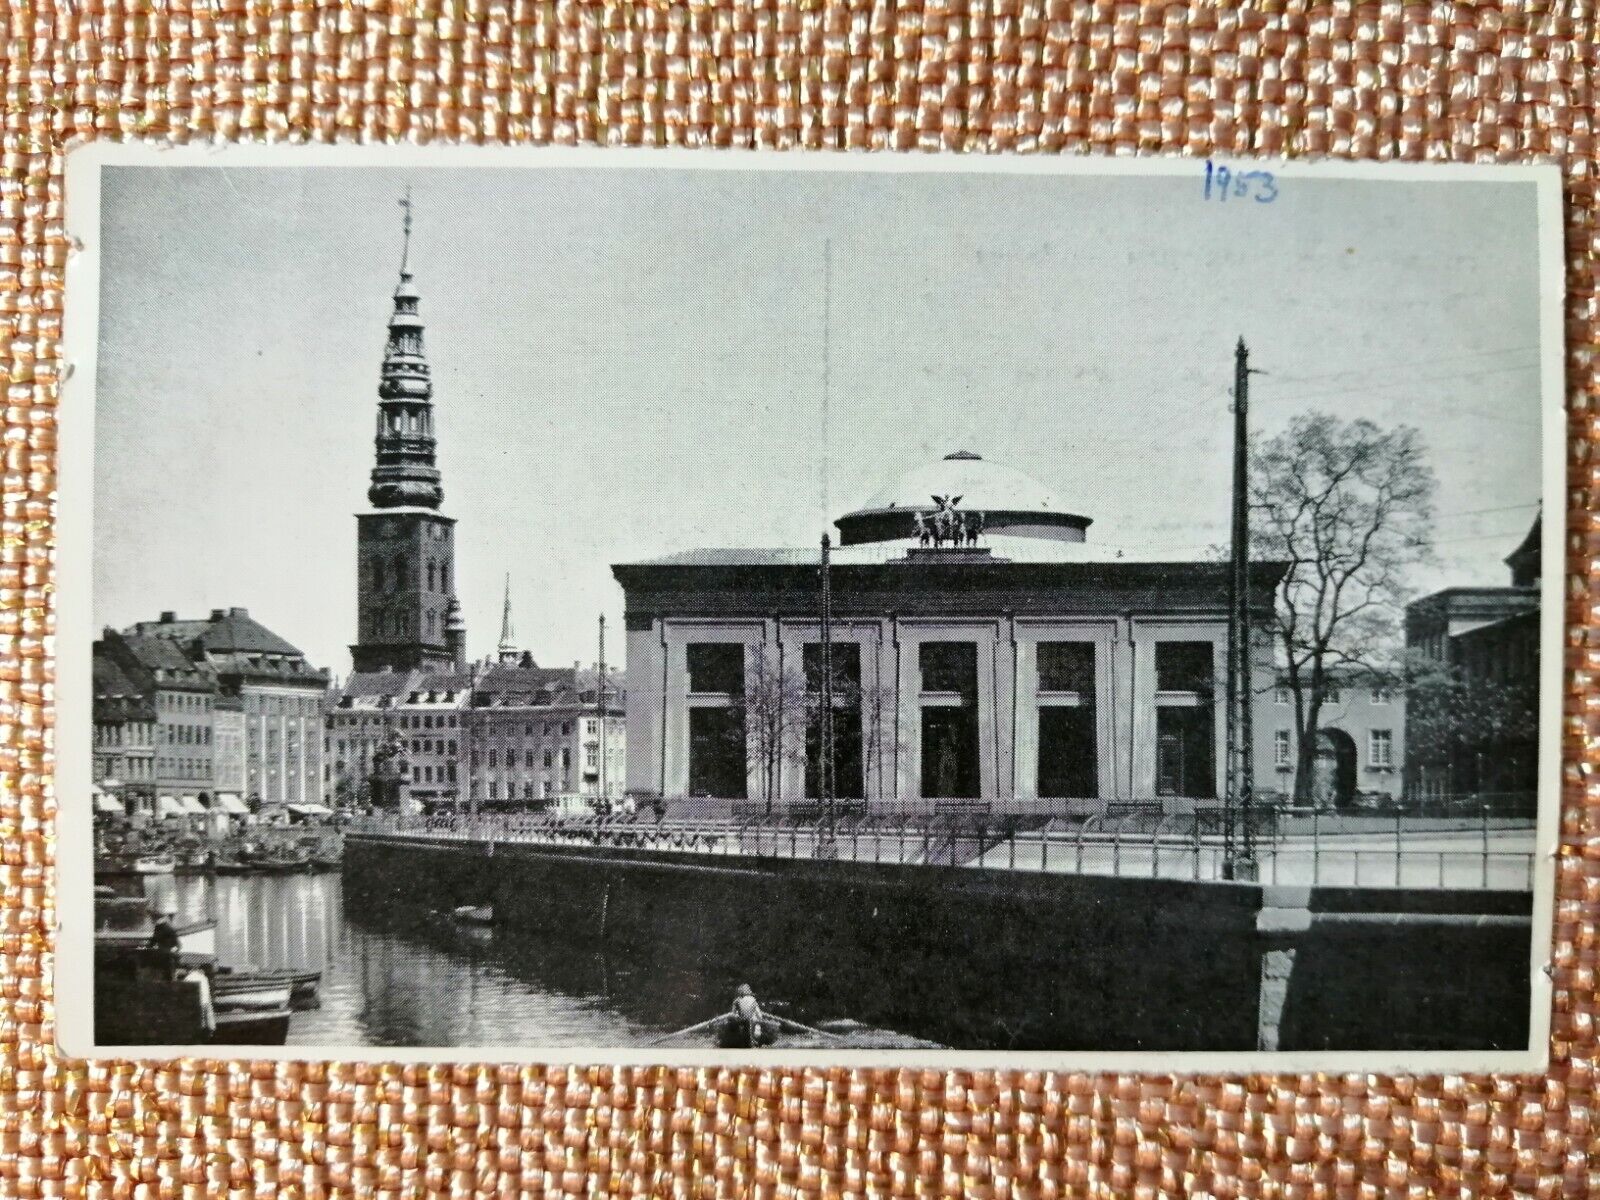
[{"x": 977, "y": 958}]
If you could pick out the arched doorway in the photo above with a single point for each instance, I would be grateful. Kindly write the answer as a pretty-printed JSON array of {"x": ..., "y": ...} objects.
[{"x": 1333, "y": 782}]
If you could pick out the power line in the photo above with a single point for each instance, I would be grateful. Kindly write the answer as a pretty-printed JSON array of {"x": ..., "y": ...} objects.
[
  {"x": 1411, "y": 362},
  {"x": 1478, "y": 512},
  {"x": 1479, "y": 537},
  {"x": 1380, "y": 387}
]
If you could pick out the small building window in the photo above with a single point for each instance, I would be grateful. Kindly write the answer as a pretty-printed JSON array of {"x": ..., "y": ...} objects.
[
  {"x": 1380, "y": 748},
  {"x": 950, "y": 667},
  {"x": 1184, "y": 666},
  {"x": 1380, "y": 695},
  {"x": 1282, "y": 695},
  {"x": 715, "y": 668},
  {"x": 1066, "y": 667},
  {"x": 1281, "y": 747}
]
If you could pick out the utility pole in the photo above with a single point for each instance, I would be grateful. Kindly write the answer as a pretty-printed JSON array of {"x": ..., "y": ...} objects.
[
  {"x": 827, "y": 780},
  {"x": 600, "y": 704},
  {"x": 1239, "y": 855}
]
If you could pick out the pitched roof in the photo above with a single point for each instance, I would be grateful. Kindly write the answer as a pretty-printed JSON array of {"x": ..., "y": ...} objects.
[
  {"x": 157, "y": 653},
  {"x": 397, "y": 686},
  {"x": 225, "y": 631},
  {"x": 375, "y": 683},
  {"x": 1526, "y": 557},
  {"x": 110, "y": 679}
]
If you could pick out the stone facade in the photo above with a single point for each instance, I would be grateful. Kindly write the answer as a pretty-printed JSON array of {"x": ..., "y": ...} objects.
[
  {"x": 1474, "y": 695},
  {"x": 1361, "y": 753},
  {"x": 498, "y": 734},
  {"x": 1101, "y": 682},
  {"x": 256, "y": 714}
]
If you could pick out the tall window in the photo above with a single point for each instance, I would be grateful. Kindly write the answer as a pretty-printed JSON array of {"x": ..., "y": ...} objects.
[
  {"x": 1185, "y": 720},
  {"x": 1380, "y": 748},
  {"x": 717, "y": 753},
  {"x": 848, "y": 776},
  {"x": 1068, "y": 753},
  {"x": 1282, "y": 695},
  {"x": 949, "y": 701},
  {"x": 1380, "y": 695},
  {"x": 1281, "y": 747}
]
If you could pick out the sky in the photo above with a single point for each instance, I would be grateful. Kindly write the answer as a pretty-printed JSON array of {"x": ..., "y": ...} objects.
[{"x": 629, "y": 363}]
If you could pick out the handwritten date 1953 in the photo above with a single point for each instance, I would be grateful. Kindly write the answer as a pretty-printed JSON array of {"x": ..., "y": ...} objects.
[{"x": 1223, "y": 183}]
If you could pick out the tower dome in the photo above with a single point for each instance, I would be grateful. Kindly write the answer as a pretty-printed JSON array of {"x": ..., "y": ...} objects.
[{"x": 1012, "y": 503}]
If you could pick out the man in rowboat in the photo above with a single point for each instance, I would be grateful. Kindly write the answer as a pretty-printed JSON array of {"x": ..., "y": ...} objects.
[{"x": 747, "y": 1016}]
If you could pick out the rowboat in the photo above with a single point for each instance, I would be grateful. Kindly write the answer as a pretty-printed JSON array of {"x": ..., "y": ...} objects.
[
  {"x": 299, "y": 988},
  {"x": 251, "y": 1027}
]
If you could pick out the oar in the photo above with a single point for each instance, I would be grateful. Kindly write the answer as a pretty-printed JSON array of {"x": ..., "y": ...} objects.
[
  {"x": 802, "y": 1028},
  {"x": 666, "y": 1037}
]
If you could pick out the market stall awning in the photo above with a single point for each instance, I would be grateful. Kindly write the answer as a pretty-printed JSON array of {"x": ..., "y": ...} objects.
[
  {"x": 192, "y": 807},
  {"x": 166, "y": 806},
  {"x": 228, "y": 802},
  {"x": 310, "y": 810},
  {"x": 107, "y": 803}
]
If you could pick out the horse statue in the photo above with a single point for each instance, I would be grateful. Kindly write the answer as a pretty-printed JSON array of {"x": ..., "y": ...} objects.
[{"x": 948, "y": 525}]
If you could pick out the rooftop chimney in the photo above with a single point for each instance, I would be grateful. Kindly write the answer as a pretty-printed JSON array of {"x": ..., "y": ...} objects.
[
  {"x": 168, "y": 617},
  {"x": 238, "y": 612},
  {"x": 218, "y": 613}
]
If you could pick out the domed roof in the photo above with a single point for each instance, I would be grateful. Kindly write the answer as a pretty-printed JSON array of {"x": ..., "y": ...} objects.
[
  {"x": 982, "y": 485},
  {"x": 1001, "y": 498}
]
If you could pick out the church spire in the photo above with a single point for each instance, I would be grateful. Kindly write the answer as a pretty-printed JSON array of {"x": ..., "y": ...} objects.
[
  {"x": 405, "y": 475},
  {"x": 508, "y": 638},
  {"x": 407, "y": 615}
]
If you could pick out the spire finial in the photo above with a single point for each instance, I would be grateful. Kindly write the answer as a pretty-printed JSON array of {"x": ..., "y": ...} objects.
[
  {"x": 508, "y": 639},
  {"x": 405, "y": 249}
]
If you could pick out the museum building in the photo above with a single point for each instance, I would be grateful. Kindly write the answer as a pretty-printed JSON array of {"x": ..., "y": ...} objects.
[{"x": 985, "y": 652}]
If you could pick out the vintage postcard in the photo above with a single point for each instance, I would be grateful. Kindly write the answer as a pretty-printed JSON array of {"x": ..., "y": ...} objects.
[{"x": 699, "y": 607}]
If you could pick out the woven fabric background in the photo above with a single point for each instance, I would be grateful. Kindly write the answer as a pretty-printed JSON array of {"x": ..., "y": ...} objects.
[{"x": 1468, "y": 82}]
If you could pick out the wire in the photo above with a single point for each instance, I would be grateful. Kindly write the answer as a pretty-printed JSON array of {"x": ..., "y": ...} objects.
[
  {"x": 1384, "y": 367},
  {"x": 1403, "y": 383}
]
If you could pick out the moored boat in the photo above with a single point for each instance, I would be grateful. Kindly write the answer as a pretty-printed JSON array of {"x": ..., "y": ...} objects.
[
  {"x": 299, "y": 988},
  {"x": 145, "y": 995},
  {"x": 251, "y": 1027}
]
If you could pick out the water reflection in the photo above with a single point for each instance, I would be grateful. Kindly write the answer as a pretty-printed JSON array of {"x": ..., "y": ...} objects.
[{"x": 420, "y": 979}]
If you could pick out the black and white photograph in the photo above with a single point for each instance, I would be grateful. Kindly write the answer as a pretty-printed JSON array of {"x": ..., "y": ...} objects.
[{"x": 701, "y": 607}]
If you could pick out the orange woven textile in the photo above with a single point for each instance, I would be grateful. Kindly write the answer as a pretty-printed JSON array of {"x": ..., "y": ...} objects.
[{"x": 1442, "y": 82}]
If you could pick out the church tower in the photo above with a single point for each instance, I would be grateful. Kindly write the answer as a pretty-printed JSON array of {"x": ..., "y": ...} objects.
[{"x": 406, "y": 612}]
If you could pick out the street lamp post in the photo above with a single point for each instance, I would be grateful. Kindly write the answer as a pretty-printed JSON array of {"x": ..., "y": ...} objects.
[{"x": 827, "y": 846}]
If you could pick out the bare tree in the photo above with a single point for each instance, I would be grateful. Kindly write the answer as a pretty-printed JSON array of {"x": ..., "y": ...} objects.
[
  {"x": 880, "y": 740},
  {"x": 1349, "y": 507},
  {"x": 774, "y": 709}
]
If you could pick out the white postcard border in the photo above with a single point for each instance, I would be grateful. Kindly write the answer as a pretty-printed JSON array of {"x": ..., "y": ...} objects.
[{"x": 75, "y": 632}]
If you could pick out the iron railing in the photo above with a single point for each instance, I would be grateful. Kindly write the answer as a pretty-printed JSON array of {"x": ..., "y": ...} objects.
[{"x": 1483, "y": 851}]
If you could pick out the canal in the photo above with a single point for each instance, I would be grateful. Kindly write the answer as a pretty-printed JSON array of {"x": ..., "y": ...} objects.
[{"x": 418, "y": 978}]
